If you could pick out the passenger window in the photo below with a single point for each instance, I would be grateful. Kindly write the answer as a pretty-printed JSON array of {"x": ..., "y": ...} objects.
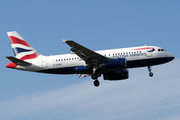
[
  {"x": 69, "y": 58},
  {"x": 61, "y": 59},
  {"x": 72, "y": 58},
  {"x": 159, "y": 49}
]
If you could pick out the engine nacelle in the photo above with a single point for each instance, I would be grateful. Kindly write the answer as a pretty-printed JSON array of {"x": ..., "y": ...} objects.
[
  {"x": 118, "y": 63},
  {"x": 118, "y": 75}
]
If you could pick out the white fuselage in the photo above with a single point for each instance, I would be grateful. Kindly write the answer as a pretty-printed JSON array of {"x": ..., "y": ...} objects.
[{"x": 65, "y": 64}]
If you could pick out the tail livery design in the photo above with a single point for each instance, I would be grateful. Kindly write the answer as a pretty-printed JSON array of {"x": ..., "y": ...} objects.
[{"x": 22, "y": 49}]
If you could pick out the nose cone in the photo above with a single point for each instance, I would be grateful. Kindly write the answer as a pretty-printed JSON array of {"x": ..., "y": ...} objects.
[{"x": 171, "y": 56}]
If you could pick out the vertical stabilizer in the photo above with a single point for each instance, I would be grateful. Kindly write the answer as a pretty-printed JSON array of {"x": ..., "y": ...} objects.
[{"x": 21, "y": 48}]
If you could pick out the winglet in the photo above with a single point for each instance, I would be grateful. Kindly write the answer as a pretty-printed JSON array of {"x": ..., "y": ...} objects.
[{"x": 63, "y": 40}]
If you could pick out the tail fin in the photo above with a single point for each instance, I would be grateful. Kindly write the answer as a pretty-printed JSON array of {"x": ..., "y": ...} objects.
[{"x": 21, "y": 48}]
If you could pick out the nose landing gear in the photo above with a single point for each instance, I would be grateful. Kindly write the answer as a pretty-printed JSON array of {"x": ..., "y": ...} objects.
[{"x": 150, "y": 73}]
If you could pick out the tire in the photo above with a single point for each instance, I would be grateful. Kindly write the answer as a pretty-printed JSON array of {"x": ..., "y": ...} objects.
[
  {"x": 150, "y": 74},
  {"x": 96, "y": 83},
  {"x": 94, "y": 76}
]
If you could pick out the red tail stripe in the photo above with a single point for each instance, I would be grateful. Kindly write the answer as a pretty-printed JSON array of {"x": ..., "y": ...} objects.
[
  {"x": 15, "y": 40},
  {"x": 31, "y": 56}
]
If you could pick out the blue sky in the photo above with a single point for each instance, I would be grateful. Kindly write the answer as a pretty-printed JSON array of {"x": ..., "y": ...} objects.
[{"x": 97, "y": 25}]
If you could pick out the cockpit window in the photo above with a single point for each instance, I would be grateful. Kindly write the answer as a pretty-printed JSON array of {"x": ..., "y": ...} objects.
[{"x": 161, "y": 50}]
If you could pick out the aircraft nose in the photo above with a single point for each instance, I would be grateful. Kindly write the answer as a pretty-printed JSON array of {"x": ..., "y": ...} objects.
[{"x": 171, "y": 56}]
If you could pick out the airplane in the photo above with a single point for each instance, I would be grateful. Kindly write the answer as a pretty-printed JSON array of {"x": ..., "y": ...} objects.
[{"x": 113, "y": 64}]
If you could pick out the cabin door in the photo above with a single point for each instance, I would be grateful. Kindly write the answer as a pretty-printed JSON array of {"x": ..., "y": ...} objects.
[{"x": 44, "y": 62}]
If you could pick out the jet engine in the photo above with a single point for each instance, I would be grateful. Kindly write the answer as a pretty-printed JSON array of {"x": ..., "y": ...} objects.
[{"x": 118, "y": 75}]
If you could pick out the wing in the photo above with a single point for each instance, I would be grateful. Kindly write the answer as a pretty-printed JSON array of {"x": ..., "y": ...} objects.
[{"x": 89, "y": 56}]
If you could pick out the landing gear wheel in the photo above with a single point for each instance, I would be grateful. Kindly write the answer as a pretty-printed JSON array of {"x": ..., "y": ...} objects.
[
  {"x": 94, "y": 76},
  {"x": 96, "y": 83},
  {"x": 150, "y": 74}
]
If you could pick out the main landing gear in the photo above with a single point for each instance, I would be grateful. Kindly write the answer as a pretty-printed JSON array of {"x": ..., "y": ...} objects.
[
  {"x": 94, "y": 76},
  {"x": 150, "y": 73},
  {"x": 96, "y": 83}
]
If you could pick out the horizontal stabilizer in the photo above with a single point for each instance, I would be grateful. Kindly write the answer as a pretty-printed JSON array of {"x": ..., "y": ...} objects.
[{"x": 17, "y": 61}]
